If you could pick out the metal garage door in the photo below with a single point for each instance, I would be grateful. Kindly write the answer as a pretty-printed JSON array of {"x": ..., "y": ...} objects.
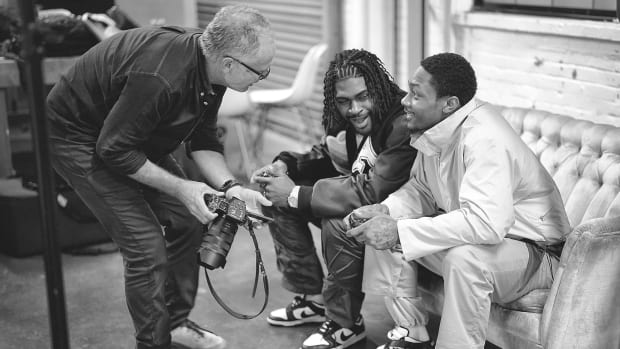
[{"x": 297, "y": 25}]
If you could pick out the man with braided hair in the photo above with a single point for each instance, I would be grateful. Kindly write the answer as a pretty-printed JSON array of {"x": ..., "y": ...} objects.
[{"x": 364, "y": 156}]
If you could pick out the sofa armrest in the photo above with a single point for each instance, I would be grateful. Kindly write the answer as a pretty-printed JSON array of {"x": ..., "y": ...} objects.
[{"x": 583, "y": 308}]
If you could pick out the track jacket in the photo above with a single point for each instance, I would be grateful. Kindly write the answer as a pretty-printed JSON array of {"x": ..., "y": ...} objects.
[
  {"x": 377, "y": 168},
  {"x": 475, "y": 182}
]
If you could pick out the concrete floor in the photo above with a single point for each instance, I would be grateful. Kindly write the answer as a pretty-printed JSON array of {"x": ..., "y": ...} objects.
[{"x": 98, "y": 317}]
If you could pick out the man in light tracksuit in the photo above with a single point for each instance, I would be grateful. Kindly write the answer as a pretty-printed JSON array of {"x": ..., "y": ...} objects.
[{"x": 479, "y": 210}]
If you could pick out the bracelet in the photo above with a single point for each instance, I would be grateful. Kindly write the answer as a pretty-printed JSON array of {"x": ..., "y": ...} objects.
[{"x": 228, "y": 184}]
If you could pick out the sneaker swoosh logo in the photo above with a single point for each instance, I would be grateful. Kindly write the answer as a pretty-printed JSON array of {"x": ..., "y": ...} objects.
[
  {"x": 303, "y": 313},
  {"x": 344, "y": 337}
]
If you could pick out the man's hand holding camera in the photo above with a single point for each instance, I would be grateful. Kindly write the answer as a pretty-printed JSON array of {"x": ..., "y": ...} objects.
[
  {"x": 191, "y": 194},
  {"x": 373, "y": 226}
]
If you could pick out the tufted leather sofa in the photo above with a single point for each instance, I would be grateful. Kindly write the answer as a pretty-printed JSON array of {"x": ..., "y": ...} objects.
[{"x": 582, "y": 308}]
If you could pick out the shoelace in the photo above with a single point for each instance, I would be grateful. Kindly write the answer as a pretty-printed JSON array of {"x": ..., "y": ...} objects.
[
  {"x": 297, "y": 301},
  {"x": 195, "y": 328},
  {"x": 326, "y": 327},
  {"x": 396, "y": 334}
]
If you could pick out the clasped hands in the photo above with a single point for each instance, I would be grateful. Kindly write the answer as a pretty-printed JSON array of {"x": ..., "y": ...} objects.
[
  {"x": 274, "y": 182},
  {"x": 378, "y": 230}
]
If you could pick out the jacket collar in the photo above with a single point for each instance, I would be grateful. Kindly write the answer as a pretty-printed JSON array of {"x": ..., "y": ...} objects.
[
  {"x": 203, "y": 83},
  {"x": 438, "y": 137}
]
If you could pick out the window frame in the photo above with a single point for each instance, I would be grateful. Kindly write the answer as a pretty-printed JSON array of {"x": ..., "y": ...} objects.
[{"x": 549, "y": 11}]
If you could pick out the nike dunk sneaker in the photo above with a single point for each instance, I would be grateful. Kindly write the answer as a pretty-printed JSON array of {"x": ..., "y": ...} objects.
[
  {"x": 300, "y": 311},
  {"x": 333, "y": 336},
  {"x": 398, "y": 338},
  {"x": 191, "y": 336}
]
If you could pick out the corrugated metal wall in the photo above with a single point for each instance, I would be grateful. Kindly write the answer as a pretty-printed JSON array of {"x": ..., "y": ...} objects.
[{"x": 297, "y": 25}]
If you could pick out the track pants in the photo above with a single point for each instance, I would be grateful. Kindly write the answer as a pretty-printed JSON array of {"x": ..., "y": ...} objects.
[{"x": 474, "y": 277}]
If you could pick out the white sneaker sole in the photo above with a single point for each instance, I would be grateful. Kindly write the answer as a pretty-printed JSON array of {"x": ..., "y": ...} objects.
[
  {"x": 291, "y": 323},
  {"x": 348, "y": 343},
  {"x": 181, "y": 346}
]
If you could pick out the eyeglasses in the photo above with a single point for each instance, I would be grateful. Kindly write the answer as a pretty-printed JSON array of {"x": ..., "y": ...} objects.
[{"x": 261, "y": 76}]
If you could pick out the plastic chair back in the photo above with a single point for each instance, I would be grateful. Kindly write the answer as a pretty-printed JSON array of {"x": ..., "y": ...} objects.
[{"x": 303, "y": 84}]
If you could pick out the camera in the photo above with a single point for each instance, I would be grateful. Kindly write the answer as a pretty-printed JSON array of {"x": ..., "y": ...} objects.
[{"x": 219, "y": 236}]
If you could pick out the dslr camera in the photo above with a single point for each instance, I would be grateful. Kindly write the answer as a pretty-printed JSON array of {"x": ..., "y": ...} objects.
[{"x": 219, "y": 236}]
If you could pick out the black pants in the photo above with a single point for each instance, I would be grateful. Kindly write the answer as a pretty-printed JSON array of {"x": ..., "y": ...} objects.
[
  {"x": 301, "y": 268},
  {"x": 157, "y": 237},
  {"x": 295, "y": 253},
  {"x": 344, "y": 257}
]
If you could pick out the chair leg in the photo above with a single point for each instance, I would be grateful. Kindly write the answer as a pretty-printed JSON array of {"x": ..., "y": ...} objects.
[
  {"x": 240, "y": 130},
  {"x": 250, "y": 133}
]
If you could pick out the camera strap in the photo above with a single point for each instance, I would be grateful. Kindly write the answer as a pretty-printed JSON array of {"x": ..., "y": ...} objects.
[{"x": 260, "y": 268}]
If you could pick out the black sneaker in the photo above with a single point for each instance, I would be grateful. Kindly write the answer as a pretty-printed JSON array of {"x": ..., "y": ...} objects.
[
  {"x": 301, "y": 311},
  {"x": 333, "y": 336},
  {"x": 398, "y": 338}
]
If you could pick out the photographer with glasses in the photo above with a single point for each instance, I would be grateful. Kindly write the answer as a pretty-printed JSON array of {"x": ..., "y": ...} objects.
[{"x": 117, "y": 115}]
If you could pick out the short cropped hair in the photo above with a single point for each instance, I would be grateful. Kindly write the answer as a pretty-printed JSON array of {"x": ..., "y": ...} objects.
[
  {"x": 379, "y": 83},
  {"x": 234, "y": 30},
  {"x": 451, "y": 75}
]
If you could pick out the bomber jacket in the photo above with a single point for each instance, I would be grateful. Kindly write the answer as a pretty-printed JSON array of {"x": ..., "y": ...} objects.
[
  {"x": 326, "y": 192},
  {"x": 138, "y": 95}
]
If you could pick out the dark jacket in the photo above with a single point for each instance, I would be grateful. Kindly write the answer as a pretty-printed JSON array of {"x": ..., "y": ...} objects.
[
  {"x": 138, "y": 95},
  {"x": 327, "y": 193}
]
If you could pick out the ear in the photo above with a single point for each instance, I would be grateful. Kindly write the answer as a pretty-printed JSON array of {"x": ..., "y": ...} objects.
[
  {"x": 227, "y": 63},
  {"x": 451, "y": 105}
]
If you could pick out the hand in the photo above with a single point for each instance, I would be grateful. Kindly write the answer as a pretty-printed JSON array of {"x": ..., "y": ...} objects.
[
  {"x": 275, "y": 169},
  {"x": 100, "y": 24},
  {"x": 365, "y": 213},
  {"x": 192, "y": 195},
  {"x": 252, "y": 198},
  {"x": 277, "y": 189},
  {"x": 379, "y": 232}
]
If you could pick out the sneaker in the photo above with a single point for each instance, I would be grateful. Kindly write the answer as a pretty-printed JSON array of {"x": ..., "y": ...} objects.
[
  {"x": 333, "y": 336},
  {"x": 301, "y": 311},
  {"x": 398, "y": 338},
  {"x": 191, "y": 336}
]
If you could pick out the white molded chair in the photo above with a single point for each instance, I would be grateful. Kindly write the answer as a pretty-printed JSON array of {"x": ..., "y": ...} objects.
[{"x": 250, "y": 110}]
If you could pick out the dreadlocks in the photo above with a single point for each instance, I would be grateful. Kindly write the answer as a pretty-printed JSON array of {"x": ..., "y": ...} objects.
[{"x": 380, "y": 85}]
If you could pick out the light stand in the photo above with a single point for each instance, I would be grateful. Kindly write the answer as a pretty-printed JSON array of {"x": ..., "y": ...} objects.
[{"x": 32, "y": 52}]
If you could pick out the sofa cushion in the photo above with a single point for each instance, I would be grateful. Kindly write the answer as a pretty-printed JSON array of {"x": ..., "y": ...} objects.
[
  {"x": 514, "y": 329},
  {"x": 533, "y": 302},
  {"x": 583, "y": 158}
]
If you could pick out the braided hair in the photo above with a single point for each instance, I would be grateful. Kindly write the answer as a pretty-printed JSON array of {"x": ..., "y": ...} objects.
[{"x": 379, "y": 83}]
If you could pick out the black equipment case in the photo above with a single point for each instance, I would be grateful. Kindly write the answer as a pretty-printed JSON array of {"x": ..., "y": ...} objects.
[{"x": 20, "y": 223}]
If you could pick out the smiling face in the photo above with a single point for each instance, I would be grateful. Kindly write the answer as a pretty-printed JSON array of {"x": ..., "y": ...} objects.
[
  {"x": 354, "y": 103},
  {"x": 424, "y": 109}
]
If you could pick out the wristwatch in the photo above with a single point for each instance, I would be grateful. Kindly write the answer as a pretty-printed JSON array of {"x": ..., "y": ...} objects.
[
  {"x": 293, "y": 197},
  {"x": 228, "y": 184}
]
